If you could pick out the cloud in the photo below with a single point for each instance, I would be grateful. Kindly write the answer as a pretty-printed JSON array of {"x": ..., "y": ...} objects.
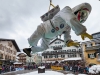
[{"x": 20, "y": 18}]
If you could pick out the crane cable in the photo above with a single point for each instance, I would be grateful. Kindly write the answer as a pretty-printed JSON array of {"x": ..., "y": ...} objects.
[{"x": 51, "y": 4}]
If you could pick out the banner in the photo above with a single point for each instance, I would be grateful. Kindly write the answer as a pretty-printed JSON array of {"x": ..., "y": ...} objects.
[{"x": 19, "y": 69}]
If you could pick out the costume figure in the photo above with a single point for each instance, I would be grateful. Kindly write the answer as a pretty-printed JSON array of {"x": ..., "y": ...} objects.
[{"x": 62, "y": 23}]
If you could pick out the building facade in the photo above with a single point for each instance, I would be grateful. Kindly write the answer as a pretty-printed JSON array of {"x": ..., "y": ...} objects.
[
  {"x": 8, "y": 50},
  {"x": 22, "y": 58},
  {"x": 58, "y": 51},
  {"x": 96, "y": 35},
  {"x": 36, "y": 58},
  {"x": 91, "y": 51}
]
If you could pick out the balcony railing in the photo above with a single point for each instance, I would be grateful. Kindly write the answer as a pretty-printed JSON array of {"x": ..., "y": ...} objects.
[
  {"x": 93, "y": 47},
  {"x": 57, "y": 53}
]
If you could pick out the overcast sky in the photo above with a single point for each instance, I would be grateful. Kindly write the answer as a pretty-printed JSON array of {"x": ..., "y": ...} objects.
[{"x": 20, "y": 18}]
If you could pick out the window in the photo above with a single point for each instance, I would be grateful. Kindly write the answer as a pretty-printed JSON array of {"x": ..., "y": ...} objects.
[
  {"x": 64, "y": 50},
  {"x": 55, "y": 42},
  {"x": 9, "y": 44},
  {"x": 85, "y": 45},
  {"x": 55, "y": 51},
  {"x": 50, "y": 56},
  {"x": 56, "y": 56},
  {"x": 1, "y": 47},
  {"x": 51, "y": 52},
  {"x": 72, "y": 55},
  {"x": 80, "y": 55},
  {"x": 89, "y": 45},
  {"x": 73, "y": 50},
  {"x": 45, "y": 56},
  {"x": 60, "y": 51},
  {"x": 63, "y": 56},
  {"x": 69, "y": 56},
  {"x": 79, "y": 50},
  {"x": 1, "y": 56},
  {"x": 91, "y": 55},
  {"x": 69, "y": 50}
]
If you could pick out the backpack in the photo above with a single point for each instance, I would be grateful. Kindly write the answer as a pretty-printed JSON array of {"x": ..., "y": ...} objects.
[{"x": 50, "y": 14}]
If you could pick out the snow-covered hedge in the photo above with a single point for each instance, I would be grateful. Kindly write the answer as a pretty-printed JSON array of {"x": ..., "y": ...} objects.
[{"x": 95, "y": 69}]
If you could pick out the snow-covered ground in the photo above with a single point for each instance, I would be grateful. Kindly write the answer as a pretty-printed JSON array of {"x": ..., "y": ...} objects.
[
  {"x": 47, "y": 73},
  {"x": 94, "y": 69}
]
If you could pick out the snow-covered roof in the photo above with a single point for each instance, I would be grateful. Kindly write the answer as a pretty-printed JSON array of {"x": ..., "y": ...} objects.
[
  {"x": 41, "y": 67},
  {"x": 13, "y": 41},
  {"x": 77, "y": 58},
  {"x": 20, "y": 53},
  {"x": 18, "y": 63}
]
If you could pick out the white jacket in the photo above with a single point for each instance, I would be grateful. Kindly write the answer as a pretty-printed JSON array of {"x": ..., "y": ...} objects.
[
  {"x": 66, "y": 17},
  {"x": 64, "y": 20}
]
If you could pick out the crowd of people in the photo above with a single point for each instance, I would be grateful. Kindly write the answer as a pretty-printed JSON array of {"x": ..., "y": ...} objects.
[
  {"x": 73, "y": 66},
  {"x": 6, "y": 68},
  {"x": 35, "y": 66},
  {"x": 76, "y": 68}
]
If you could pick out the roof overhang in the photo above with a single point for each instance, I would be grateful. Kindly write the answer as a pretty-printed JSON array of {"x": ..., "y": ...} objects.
[
  {"x": 13, "y": 41},
  {"x": 70, "y": 59}
]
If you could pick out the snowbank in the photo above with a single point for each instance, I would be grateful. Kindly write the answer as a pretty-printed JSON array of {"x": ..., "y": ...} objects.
[{"x": 94, "y": 69}]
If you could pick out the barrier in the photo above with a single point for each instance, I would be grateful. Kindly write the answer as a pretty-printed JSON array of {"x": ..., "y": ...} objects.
[
  {"x": 41, "y": 69},
  {"x": 19, "y": 69},
  {"x": 56, "y": 68}
]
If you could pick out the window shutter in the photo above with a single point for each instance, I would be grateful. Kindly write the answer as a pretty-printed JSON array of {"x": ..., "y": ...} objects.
[
  {"x": 88, "y": 55},
  {"x": 95, "y": 55}
]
